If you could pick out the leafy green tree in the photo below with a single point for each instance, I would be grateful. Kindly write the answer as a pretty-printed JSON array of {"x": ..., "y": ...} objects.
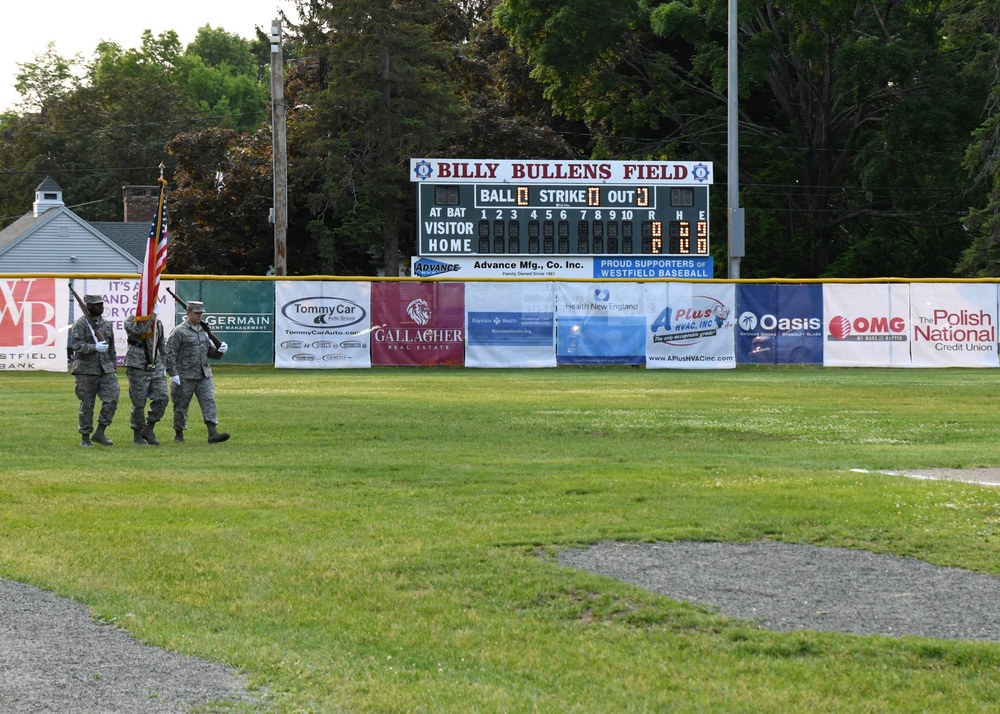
[
  {"x": 829, "y": 142},
  {"x": 384, "y": 95}
]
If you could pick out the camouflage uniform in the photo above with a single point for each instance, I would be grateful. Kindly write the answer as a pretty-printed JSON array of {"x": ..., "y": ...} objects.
[
  {"x": 145, "y": 383},
  {"x": 95, "y": 372},
  {"x": 187, "y": 357}
]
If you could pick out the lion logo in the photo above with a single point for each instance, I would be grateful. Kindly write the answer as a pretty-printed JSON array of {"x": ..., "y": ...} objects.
[{"x": 419, "y": 311}]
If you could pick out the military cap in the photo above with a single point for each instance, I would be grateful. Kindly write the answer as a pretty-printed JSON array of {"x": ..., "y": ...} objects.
[
  {"x": 195, "y": 306},
  {"x": 93, "y": 299}
]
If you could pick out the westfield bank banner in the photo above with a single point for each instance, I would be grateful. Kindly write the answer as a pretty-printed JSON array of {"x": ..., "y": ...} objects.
[{"x": 34, "y": 324}]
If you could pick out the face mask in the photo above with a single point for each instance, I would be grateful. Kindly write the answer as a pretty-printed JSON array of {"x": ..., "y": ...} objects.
[{"x": 96, "y": 310}]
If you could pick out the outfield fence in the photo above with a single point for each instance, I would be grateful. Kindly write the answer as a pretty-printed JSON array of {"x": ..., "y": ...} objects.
[{"x": 322, "y": 322}]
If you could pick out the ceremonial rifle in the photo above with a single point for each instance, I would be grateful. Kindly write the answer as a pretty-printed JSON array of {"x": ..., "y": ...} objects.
[
  {"x": 86, "y": 313},
  {"x": 216, "y": 342}
]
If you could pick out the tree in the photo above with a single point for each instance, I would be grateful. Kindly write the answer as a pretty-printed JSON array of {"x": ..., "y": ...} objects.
[
  {"x": 827, "y": 133},
  {"x": 384, "y": 95}
]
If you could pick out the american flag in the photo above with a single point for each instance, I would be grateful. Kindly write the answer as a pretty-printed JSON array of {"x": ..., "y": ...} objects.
[{"x": 156, "y": 259}]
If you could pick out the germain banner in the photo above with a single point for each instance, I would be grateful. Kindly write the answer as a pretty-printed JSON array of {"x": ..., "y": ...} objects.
[
  {"x": 34, "y": 324},
  {"x": 239, "y": 312}
]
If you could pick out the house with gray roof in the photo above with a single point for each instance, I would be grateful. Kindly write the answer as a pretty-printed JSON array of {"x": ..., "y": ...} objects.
[{"x": 53, "y": 239}]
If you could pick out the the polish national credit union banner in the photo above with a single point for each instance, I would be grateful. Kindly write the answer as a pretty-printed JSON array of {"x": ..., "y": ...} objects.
[{"x": 953, "y": 324}]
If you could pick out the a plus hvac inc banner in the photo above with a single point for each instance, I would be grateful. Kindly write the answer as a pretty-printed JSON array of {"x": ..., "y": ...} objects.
[
  {"x": 120, "y": 298},
  {"x": 418, "y": 324},
  {"x": 953, "y": 325},
  {"x": 690, "y": 326},
  {"x": 866, "y": 325},
  {"x": 34, "y": 319},
  {"x": 322, "y": 325},
  {"x": 600, "y": 323},
  {"x": 510, "y": 325}
]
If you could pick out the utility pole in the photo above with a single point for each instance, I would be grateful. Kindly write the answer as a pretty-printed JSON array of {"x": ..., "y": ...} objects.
[
  {"x": 279, "y": 152},
  {"x": 736, "y": 246}
]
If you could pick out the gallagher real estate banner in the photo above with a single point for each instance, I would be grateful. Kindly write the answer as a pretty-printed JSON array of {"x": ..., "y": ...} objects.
[{"x": 418, "y": 323}]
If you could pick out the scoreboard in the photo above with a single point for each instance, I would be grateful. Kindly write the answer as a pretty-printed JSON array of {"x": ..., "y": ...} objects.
[{"x": 492, "y": 207}]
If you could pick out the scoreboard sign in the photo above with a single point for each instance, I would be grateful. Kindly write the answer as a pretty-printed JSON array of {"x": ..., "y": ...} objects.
[{"x": 508, "y": 207}]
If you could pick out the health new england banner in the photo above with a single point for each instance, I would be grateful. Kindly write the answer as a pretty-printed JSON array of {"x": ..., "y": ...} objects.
[
  {"x": 953, "y": 325},
  {"x": 510, "y": 325},
  {"x": 322, "y": 324},
  {"x": 418, "y": 323},
  {"x": 34, "y": 324},
  {"x": 690, "y": 326},
  {"x": 600, "y": 323},
  {"x": 866, "y": 325}
]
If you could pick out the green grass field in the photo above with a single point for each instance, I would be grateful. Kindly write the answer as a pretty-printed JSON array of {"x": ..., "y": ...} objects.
[{"x": 381, "y": 540}]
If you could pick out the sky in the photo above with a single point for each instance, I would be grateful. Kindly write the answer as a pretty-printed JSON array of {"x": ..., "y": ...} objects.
[{"x": 79, "y": 26}]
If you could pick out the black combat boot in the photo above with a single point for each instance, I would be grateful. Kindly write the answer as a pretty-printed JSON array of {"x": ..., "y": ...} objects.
[
  {"x": 85, "y": 441},
  {"x": 137, "y": 438},
  {"x": 100, "y": 438},
  {"x": 148, "y": 435},
  {"x": 214, "y": 435},
  {"x": 178, "y": 436}
]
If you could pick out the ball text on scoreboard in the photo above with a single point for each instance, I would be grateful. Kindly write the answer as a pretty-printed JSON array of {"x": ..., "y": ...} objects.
[{"x": 493, "y": 206}]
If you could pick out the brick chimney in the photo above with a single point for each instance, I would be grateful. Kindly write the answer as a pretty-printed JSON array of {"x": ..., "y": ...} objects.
[{"x": 140, "y": 203}]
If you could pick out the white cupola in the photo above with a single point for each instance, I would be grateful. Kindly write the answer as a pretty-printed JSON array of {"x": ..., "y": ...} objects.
[{"x": 48, "y": 195}]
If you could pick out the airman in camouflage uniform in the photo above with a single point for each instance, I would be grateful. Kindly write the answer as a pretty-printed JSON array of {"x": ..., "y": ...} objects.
[
  {"x": 187, "y": 355},
  {"x": 95, "y": 371},
  {"x": 147, "y": 377}
]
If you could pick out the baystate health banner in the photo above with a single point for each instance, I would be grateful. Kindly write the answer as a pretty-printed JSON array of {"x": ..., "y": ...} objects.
[
  {"x": 600, "y": 323},
  {"x": 953, "y": 324},
  {"x": 866, "y": 325},
  {"x": 510, "y": 324},
  {"x": 418, "y": 323},
  {"x": 322, "y": 324},
  {"x": 690, "y": 326},
  {"x": 34, "y": 324}
]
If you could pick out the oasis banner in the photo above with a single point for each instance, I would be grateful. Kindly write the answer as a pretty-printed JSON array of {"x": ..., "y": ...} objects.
[
  {"x": 418, "y": 323},
  {"x": 510, "y": 325},
  {"x": 690, "y": 326},
  {"x": 120, "y": 298},
  {"x": 866, "y": 325},
  {"x": 953, "y": 325},
  {"x": 34, "y": 324},
  {"x": 779, "y": 324},
  {"x": 322, "y": 324},
  {"x": 600, "y": 323}
]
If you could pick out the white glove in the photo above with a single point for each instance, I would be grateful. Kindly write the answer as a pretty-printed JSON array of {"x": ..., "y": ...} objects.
[
  {"x": 176, "y": 379},
  {"x": 101, "y": 346},
  {"x": 223, "y": 347}
]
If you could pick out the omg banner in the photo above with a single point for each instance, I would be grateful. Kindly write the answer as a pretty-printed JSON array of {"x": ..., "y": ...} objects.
[{"x": 34, "y": 324}]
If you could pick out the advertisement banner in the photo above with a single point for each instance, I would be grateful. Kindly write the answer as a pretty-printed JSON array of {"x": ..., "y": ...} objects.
[
  {"x": 600, "y": 323},
  {"x": 418, "y": 324},
  {"x": 779, "y": 324},
  {"x": 573, "y": 267},
  {"x": 866, "y": 325},
  {"x": 691, "y": 326},
  {"x": 240, "y": 313},
  {"x": 120, "y": 298},
  {"x": 322, "y": 324},
  {"x": 953, "y": 325},
  {"x": 34, "y": 324},
  {"x": 510, "y": 325}
]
